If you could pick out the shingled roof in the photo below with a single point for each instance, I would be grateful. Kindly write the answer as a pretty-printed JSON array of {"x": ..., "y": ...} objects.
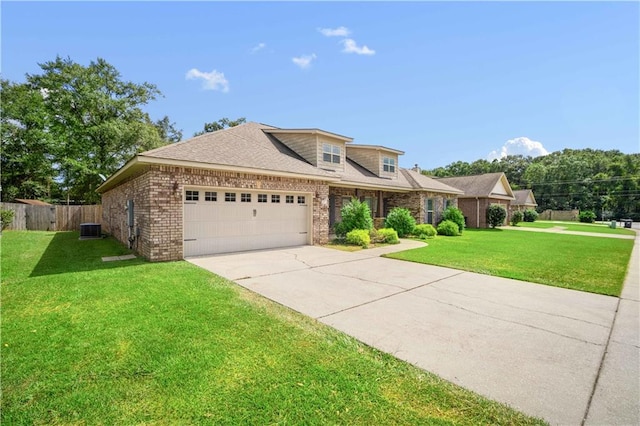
[
  {"x": 523, "y": 199},
  {"x": 255, "y": 147},
  {"x": 480, "y": 185}
]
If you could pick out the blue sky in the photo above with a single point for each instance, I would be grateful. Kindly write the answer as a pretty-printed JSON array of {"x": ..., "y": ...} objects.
[{"x": 441, "y": 81}]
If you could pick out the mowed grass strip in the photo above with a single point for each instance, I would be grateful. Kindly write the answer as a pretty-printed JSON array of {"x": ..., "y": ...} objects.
[
  {"x": 597, "y": 265},
  {"x": 130, "y": 342},
  {"x": 596, "y": 228}
]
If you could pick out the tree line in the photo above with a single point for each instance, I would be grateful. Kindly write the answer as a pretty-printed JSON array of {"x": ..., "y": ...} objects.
[
  {"x": 68, "y": 127},
  {"x": 605, "y": 182}
]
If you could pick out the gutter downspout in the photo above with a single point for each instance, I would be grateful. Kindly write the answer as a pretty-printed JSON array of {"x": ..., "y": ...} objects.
[{"x": 477, "y": 212}]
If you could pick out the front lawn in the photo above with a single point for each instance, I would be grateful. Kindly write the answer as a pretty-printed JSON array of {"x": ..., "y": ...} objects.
[
  {"x": 597, "y": 265},
  {"x": 597, "y": 228},
  {"x": 132, "y": 342}
]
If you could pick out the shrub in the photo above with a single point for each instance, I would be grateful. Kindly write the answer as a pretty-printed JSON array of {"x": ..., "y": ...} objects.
[
  {"x": 496, "y": 214},
  {"x": 449, "y": 228},
  {"x": 388, "y": 235},
  {"x": 530, "y": 215},
  {"x": 454, "y": 215},
  {"x": 6, "y": 216},
  {"x": 401, "y": 220},
  {"x": 425, "y": 230},
  {"x": 587, "y": 216},
  {"x": 516, "y": 217},
  {"x": 355, "y": 215},
  {"x": 359, "y": 237}
]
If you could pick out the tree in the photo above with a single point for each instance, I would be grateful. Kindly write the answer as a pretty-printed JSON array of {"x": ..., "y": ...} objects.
[
  {"x": 167, "y": 130},
  {"x": 27, "y": 147},
  {"x": 86, "y": 122},
  {"x": 223, "y": 123}
]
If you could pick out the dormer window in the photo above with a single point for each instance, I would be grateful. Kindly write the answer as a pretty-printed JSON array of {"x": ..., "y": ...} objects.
[
  {"x": 389, "y": 165},
  {"x": 331, "y": 153}
]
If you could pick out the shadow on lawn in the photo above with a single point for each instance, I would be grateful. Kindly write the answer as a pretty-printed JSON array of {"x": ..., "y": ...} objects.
[{"x": 66, "y": 253}]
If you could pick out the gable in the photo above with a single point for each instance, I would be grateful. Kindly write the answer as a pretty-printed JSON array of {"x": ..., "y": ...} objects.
[{"x": 499, "y": 189}]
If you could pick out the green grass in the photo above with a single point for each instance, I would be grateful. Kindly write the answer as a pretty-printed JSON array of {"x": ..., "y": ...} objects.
[
  {"x": 584, "y": 263},
  {"x": 131, "y": 342},
  {"x": 575, "y": 226}
]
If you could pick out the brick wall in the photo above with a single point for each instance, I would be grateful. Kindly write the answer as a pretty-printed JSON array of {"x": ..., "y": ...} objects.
[
  {"x": 157, "y": 194},
  {"x": 469, "y": 209}
]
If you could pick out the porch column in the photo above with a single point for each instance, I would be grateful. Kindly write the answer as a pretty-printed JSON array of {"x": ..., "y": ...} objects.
[{"x": 380, "y": 205}]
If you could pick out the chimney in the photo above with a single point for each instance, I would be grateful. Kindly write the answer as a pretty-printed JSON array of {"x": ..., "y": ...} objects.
[{"x": 416, "y": 168}]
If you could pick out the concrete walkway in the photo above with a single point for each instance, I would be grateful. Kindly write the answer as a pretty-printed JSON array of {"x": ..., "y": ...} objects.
[
  {"x": 558, "y": 354},
  {"x": 562, "y": 230}
]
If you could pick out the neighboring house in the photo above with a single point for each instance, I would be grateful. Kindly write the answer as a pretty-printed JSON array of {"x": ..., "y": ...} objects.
[
  {"x": 481, "y": 191},
  {"x": 524, "y": 200},
  {"x": 255, "y": 187}
]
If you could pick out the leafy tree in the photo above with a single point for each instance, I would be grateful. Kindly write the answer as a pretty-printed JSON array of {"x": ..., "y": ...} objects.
[
  {"x": 27, "y": 147},
  {"x": 167, "y": 130},
  {"x": 496, "y": 214},
  {"x": 86, "y": 122},
  {"x": 223, "y": 123}
]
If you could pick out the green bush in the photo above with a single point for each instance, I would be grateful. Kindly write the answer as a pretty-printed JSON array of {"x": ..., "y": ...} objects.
[
  {"x": 425, "y": 230},
  {"x": 587, "y": 216},
  {"x": 388, "y": 235},
  {"x": 6, "y": 216},
  {"x": 401, "y": 220},
  {"x": 516, "y": 217},
  {"x": 359, "y": 237},
  {"x": 454, "y": 215},
  {"x": 496, "y": 214},
  {"x": 530, "y": 215},
  {"x": 355, "y": 215},
  {"x": 448, "y": 228}
]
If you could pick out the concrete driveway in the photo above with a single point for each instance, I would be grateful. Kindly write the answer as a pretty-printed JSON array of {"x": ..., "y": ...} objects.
[{"x": 537, "y": 348}]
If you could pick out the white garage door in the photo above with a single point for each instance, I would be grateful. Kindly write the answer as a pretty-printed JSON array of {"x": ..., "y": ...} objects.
[{"x": 224, "y": 221}]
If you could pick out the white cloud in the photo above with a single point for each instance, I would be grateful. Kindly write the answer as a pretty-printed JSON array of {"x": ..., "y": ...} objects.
[
  {"x": 304, "y": 61},
  {"x": 335, "y": 32},
  {"x": 350, "y": 46},
  {"x": 258, "y": 47},
  {"x": 519, "y": 146},
  {"x": 213, "y": 80}
]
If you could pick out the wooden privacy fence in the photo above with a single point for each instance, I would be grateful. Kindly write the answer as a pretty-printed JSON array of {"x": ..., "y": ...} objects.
[{"x": 52, "y": 218}]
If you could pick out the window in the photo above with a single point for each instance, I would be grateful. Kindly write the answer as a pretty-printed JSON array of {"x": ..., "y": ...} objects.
[
  {"x": 211, "y": 196},
  {"x": 289, "y": 199},
  {"x": 389, "y": 164},
  {"x": 230, "y": 197},
  {"x": 428, "y": 211},
  {"x": 448, "y": 203},
  {"x": 302, "y": 199},
  {"x": 275, "y": 198},
  {"x": 192, "y": 195},
  {"x": 330, "y": 153},
  {"x": 245, "y": 198},
  {"x": 262, "y": 198},
  {"x": 372, "y": 202}
]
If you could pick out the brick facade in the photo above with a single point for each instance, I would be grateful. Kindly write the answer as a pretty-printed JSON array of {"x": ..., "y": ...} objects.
[
  {"x": 475, "y": 211},
  {"x": 157, "y": 194}
]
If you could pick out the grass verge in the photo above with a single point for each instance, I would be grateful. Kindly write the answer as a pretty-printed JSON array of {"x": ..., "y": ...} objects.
[
  {"x": 129, "y": 342},
  {"x": 597, "y": 265}
]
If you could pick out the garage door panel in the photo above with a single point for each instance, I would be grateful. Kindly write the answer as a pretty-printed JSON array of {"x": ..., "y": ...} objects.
[{"x": 223, "y": 227}]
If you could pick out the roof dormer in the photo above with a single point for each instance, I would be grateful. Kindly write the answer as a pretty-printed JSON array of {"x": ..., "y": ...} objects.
[
  {"x": 323, "y": 149},
  {"x": 380, "y": 160}
]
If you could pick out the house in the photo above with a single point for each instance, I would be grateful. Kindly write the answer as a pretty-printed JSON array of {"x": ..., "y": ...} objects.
[
  {"x": 255, "y": 186},
  {"x": 481, "y": 191},
  {"x": 524, "y": 200}
]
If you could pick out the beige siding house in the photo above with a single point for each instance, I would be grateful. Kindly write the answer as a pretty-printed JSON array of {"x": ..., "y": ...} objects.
[{"x": 255, "y": 187}]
